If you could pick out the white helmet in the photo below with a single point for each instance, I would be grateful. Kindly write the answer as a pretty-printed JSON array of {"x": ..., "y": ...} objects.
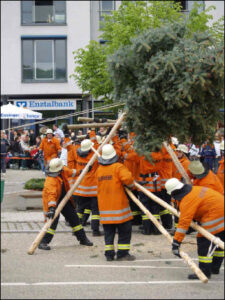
[
  {"x": 174, "y": 140},
  {"x": 108, "y": 151},
  {"x": 55, "y": 165},
  {"x": 182, "y": 148},
  {"x": 172, "y": 185},
  {"x": 222, "y": 145},
  {"x": 99, "y": 139},
  {"x": 49, "y": 131},
  {"x": 86, "y": 145}
]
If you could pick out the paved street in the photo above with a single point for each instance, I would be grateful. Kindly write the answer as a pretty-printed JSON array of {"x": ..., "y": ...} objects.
[{"x": 72, "y": 271}]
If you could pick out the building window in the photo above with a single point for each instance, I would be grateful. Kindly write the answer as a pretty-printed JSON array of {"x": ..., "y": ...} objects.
[
  {"x": 106, "y": 7},
  {"x": 44, "y": 59},
  {"x": 43, "y": 12},
  {"x": 183, "y": 4}
]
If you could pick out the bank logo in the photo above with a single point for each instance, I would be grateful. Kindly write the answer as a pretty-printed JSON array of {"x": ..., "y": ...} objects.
[{"x": 21, "y": 103}]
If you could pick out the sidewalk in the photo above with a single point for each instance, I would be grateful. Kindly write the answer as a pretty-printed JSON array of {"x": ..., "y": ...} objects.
[{"x": 13, "y": 184}]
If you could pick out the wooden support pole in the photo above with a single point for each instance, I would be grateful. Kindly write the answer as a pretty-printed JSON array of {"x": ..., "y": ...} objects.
[
  {"x": 183, "y": 255},
  {"x": 217, "y": 241},
  {"x": 177, "y": 163},
  {"x": 47, "y": 225},
  {"x": 84, "y": 119},
  {"x": 90, "y": 125}
]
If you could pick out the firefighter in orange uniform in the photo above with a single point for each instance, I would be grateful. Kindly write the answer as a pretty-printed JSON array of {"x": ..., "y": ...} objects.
[
  {"x": 115, "y": 212},
  {"x": 85, "y": 195},
  {"x": 130, "y": 160},
  {"x": 203, "y": 176},
  {"x": 150, "y": 179},
  {"x": 181, "y": 151},
  {"x": 165, "y": 172},
  {"x": 220, "y": 171},
  {"x": 206, "y": 206},
  {"x": 55, "y": 188},
  {"x": 50, "y": 146}
]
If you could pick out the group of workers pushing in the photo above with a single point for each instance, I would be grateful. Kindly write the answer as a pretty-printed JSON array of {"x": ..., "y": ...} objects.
[{"x": 102, "y": 193}]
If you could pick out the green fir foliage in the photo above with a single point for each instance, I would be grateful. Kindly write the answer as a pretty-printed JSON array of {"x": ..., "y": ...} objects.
[
  {"x": 172, "y": 85},
  {"x": 131, "y": 19}
]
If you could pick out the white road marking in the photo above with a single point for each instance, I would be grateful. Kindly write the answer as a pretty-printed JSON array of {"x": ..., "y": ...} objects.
[
  {"x": 105, "y": 283},
  {"x": 162, "y": 259},
  {"x": 121, "y": 266}
]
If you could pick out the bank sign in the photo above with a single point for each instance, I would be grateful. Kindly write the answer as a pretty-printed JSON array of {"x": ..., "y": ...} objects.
[{"x": 55, "y": 104}]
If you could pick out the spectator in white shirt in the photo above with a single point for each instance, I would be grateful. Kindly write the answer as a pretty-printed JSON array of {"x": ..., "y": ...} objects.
[
  {"x": 58, "y": 131},
  {"x": 216, "y": 144}
]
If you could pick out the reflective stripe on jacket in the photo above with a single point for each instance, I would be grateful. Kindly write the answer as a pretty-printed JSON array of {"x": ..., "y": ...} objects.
[
  {"x": 113, "y": 203},
  {"x": 88, "y": 185},
  {"x": 149, "y": 172},
  {"x": 204, "y": 205}
]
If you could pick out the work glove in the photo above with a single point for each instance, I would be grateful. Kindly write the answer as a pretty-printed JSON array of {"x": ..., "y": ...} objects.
[
  {"x": 51, "y": 212},
  {"x": 176, "y": 248}
]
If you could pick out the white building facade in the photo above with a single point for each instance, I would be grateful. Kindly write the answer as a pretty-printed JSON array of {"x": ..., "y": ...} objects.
[{"x": 37, "y": 43}]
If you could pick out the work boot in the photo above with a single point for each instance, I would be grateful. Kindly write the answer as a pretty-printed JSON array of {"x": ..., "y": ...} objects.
[
  {"x": 215, "y": 271},
  {"x": 109, "y": 258},
  {"x": 97, "y": 233},
  {"x": 126, "y": 257},
  {"x": 44, "y": 246},
  {"x": 85, "y": 241}
]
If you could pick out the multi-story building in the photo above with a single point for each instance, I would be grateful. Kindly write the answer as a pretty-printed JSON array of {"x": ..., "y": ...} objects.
[{"x": 37, "y": 43}]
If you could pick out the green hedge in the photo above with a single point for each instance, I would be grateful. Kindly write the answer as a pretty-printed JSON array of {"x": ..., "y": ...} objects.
[{"x": 35, "y": 184}]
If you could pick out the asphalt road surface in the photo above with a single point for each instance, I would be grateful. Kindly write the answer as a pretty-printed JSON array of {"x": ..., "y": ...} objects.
[{"x": 72, "y": 271}]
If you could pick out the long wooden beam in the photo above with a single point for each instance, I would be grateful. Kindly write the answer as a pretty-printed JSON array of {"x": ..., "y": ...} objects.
[
  {"x": 183, "y": 255},
  {"x": 47, "y": 225},
  {"x": 90, "y": 125}
]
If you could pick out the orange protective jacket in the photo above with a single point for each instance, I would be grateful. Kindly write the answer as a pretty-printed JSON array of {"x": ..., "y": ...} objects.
[
  {"x": 53, "y": 188},
  {"x": 185, "y": 163},
  {"x": 204, "y": 205},
  {"x": 113, "y": 203},
  {"x": 130, "y": 157},
  {"x": 166, "y": 168},
  {"x": 148, "y": 170},
  {"x": 88, "y": 185},
  {"x": 220, "y": 172},
  {"x": 50, "y": 148},
  {"x": 210, "y": 180}
]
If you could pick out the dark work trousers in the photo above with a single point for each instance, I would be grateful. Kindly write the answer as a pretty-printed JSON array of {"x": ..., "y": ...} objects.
[
  {"x": 71, "y": 216},
  {"x": 136, "y": 212},
  {"x": 165, "y": 215},
  {"x": 154, "y": 208},
  {"x": 213, "y": 262},
  {"x": 124, "y": 238},
  {"x": 88, "y": 203}
]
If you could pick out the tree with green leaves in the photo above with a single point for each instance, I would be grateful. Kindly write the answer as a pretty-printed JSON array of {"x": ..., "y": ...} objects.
[
  {"x": 131, "y": 19},
  {"x": 172, "y": 84}
]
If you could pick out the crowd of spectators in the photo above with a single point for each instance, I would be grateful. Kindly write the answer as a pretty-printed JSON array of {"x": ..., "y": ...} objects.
[{"x": 18, "y": 149}]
